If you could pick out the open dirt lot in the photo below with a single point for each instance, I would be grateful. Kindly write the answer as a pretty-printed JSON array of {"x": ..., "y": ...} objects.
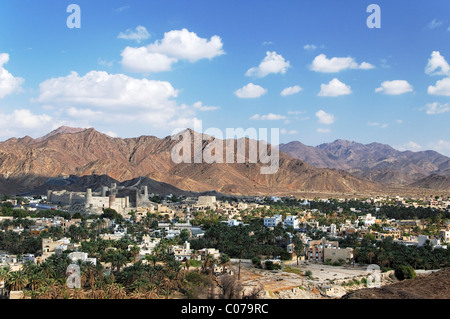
[{"x": 291, "y": 282}]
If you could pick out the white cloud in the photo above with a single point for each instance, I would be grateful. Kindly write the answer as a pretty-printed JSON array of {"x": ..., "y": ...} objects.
[
  {"x": 440, "y": 146},
  {"x": 122, "y": 8},
  {"x": 141, "y": 60},
  {"x": 272, "y": 63},
  {"x": 310, "y": 47},
  {"x": 25, "y": 119},
  {"x": 322, "y": 64},
  {"x": 323, "y": 130},
  {"x": 104, "y": 62},
  {"x": 296, "y": 112},
  {"x": 434, "y": 24},
  {"x": 8, "y": 83},
  {"x": 139, "y": 34},
  {"x": 290, "y": 132},
  {"x": 324, "y": 117},
  {"x": 437, "y": 65},
  {"x": 117, "y": 99},
  {"x": 176, "y": 45},
  {"x": 291, "y": 90},
  {"x": 23, "y": 122},
  {"x": 334, "y": 88},
  {"x": 101, "y": 89},
  {"x": 436, "y": 108},
  {"x": 250, "y": 91},
  {"x": 395, "y": 87},
  {"x": 84, "y": 113},
  {"x": 268, "y": 117},
  {"x": 185, "y": 45},
  {"x": 110, "y": 133},
  {"x": 442, "y": 87},
  {"x": 381, "y": 125},
  {"x": 204, "y": 108},
  {"x": 410, "y": 146}
]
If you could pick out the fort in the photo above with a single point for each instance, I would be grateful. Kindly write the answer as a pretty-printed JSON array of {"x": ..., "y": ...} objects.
[{"x": 120, "y": 198}]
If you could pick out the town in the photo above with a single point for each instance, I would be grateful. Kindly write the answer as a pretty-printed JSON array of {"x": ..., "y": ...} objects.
[{"x": 131, "y": 243}]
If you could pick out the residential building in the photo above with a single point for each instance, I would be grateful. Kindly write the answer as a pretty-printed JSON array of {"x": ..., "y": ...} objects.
[
  {"x": 272, "y": 221},
  {"x": 291, "y": 221}
]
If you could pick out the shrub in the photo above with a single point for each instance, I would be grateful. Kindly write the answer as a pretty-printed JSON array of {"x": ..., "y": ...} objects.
[{"x": 405, "y": 272}]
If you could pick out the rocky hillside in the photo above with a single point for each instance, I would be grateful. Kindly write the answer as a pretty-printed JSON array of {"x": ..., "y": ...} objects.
[
  {"x": 376, "y": 162},
  {"x": 26, "y": 163},
  {"x": 432, "y": 286}
]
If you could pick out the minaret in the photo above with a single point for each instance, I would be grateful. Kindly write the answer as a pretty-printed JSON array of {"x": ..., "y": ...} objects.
[{"x": 88, "y": 198}]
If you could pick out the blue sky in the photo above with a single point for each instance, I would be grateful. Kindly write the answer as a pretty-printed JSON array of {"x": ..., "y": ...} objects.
[{"x": 147, "y": 67}]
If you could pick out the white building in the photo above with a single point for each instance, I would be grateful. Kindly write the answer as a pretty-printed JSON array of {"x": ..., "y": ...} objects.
[
  {"x": 368, "y": 220},
  {"x": 272, "y": 221},
  {"x": 181, "y": 253},
  {"x": 76, "y": 256},
  {"x": 291, "y": 221}
]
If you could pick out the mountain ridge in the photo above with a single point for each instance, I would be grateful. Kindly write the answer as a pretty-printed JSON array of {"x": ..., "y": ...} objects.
[
  {"x": 375, "y": 161},
  {"x": 25, "y": 164}
]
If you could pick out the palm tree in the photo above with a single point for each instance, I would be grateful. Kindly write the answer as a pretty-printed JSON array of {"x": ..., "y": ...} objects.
[
  {"x": 17, "y": 280},
  {"x": 4, "y": 272},
  {"x": 36, "y": 280},
  {"x": 134, "y": 251},
  {"x": 370, "y": 255},
  {"x": 151, "y": 258}
]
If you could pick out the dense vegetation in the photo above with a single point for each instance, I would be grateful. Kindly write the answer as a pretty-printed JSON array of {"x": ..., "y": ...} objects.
[
  {"x": 245, "y": 241},
  {"x": 388, "y": 254}
]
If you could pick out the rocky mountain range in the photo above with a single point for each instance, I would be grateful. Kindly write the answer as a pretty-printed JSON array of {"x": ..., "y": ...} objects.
[
  {"x": 377, "y": 162},
  {"x": 27, "y": 163}
]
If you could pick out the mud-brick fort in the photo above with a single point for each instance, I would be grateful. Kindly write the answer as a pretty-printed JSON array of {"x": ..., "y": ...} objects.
[{"x": 122, "y": 199}]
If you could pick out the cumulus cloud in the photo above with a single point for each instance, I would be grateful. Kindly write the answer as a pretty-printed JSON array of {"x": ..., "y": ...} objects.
[
  {"x": 250, "y": 91},
  {"x": 440, "y": 146},
  {"x": 323, "y": 130},
  {"x": 101, "y": 89},
  {"x": 410, "y": 146},
  {"x": 204, "y": 108},
  {"x": 22, "y": 122},
  {"x": 442, "y": 87},
  {"x": 272, "y": 63},
  {"x": 324, "y": 65},
  {"x": 291, "y": 90},
  {"x": 24, "y": 118},
  {"x": 84, "y": 113},
  {"x": 182, "y": 44},
  {"x": 437, "y": 65},
  {"x": 334, "y": 88},
  {"x": 176, "y": 45},
  {"x": 436, "y": 108},
  {"x": 117, "y": 98},
  {"x": 268, "y": 117},
  {"x": 288, "y": 132},
  {"x": 141, "y": 60},
  {"x": 324, "y": 117},
  {"x": 138, "y": 34},
  {"x": 8, "y": 83},
  {"x": 395, "y": 87}
]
